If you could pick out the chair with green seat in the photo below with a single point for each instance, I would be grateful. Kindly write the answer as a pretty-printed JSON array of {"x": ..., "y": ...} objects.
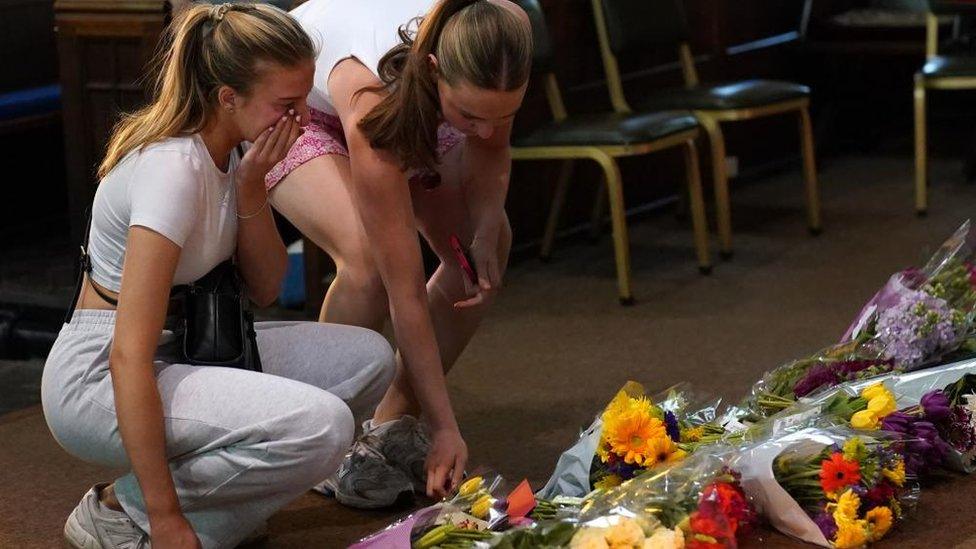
[
  {"x": 604, "y": 138},
  {"x": 941, "y": 72},
  {"x": 633, "y": 26}
]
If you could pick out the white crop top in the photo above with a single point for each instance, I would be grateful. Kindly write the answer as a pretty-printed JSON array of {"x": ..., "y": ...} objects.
[
  {"x": 174, "y": 188},
  {"x": 364, "y": 29}
]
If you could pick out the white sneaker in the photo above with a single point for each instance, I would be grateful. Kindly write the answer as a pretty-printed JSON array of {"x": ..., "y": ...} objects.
[
  {"x": 94, "y": 526},
  {"x": 365, "y": 480},
  {"x": 405, "y": 443}
]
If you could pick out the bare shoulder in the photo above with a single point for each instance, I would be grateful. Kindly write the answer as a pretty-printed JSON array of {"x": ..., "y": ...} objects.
[{"x": 347, "y": 78}]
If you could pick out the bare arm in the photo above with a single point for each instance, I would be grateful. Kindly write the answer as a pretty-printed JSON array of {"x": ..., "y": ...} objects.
[
  {"x": 261, "y": 254},
  {"x": 382, "y": 197},
  {"x": 487, "y": 169},
  {"x": 147, "y": 276}
]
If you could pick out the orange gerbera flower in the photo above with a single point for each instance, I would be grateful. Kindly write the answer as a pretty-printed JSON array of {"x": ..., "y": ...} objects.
[
  {"x": 633, "y": 435},
  {"x": 837, "y": 473}
]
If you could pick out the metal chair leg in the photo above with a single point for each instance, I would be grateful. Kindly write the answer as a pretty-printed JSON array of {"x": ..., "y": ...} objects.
[
  {"x": 621, "y": 243},
  {"x": 558, "y": 203},
  {"x": 698, "y": 221},
  {"x": 921, "y": 154},
  {"x": 720, "y": 180},
  {"x": 810, "y": 172}
]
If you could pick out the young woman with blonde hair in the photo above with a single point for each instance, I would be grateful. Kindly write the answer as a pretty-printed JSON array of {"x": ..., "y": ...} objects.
[{"x": 213, "y": 451}]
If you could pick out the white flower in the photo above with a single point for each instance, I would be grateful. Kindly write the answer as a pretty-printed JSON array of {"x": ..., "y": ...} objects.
[
  {"x": 664, "y": 538},
  {"x": 589, "y": 538}
]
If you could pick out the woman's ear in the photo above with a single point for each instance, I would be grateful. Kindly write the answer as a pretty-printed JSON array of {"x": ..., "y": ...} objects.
[
  {"x": 432, "y": 63},
  {"x": 227, "y": 98}
]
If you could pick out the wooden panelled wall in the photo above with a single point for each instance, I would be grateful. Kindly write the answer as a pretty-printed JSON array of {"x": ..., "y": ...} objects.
[
  {"x": 27, "y": 54},
  {"x": 105, "y": 44}
]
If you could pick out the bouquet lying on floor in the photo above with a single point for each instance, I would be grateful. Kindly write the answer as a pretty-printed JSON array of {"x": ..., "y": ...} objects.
[
  {"x": 920, "y": 318},
  {"x": 697, "y": 503},
  {"x": 831, "y": 487},
  {"x": 635, "y": 433}
]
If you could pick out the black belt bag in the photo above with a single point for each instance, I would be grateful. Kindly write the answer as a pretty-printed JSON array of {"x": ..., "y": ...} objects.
[
  {"x": 218, "y": 325},
  {"x": 213, "y": 314}
]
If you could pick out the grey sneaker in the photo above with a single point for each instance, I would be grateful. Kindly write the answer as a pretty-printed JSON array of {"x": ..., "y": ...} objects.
[
  {"x": 94, "y": 526},
  {"x": 365, "y": 480},
  {"x": 405, "y": 443}
]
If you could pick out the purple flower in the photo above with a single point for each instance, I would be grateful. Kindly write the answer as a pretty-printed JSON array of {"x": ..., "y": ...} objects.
[
  {"x": 924, "y": 447},
  {"x": 825, "y": 521},
  {"x": 671, "y": 426},
  {"x": 821, "y": 375},
  {"x": 958, "y": 430},
  {"x": 936, "y": 406},
  {"x": 916, "y": 330}
]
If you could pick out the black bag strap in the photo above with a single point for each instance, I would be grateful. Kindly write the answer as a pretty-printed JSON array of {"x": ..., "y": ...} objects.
[{"x": 84, "y": 269}]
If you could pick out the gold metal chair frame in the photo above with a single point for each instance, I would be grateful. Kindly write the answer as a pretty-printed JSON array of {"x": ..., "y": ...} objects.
[
  {"x": 710, "y": 121},
  {"x": 921, "y": 85},
  {"x": 606, "y": 156}
]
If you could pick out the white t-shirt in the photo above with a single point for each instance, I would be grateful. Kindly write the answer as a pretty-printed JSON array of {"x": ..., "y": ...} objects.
[
  {"x": 364, "y": 29},
  {"x": 174, "y": 188}
]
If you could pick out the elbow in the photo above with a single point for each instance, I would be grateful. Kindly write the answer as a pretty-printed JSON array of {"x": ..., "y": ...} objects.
[{"x": 263, "y": 297}]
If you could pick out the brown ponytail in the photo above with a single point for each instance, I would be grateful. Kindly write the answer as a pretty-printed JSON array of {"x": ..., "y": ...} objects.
[{"x": 475, "y": 41}]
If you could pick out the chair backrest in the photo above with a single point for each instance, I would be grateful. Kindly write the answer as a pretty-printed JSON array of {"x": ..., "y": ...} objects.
[
  {"x": 635, "y": 25},
  {"x": 542, "y": 63},
  {"x": 953, "y": 7},
  {"x": 541, "y": 45}
]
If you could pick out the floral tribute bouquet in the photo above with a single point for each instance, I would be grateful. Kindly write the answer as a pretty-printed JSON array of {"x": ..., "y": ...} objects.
[
  {"x": 922, "y": 317},
  {"x": 698, "y": 503}
]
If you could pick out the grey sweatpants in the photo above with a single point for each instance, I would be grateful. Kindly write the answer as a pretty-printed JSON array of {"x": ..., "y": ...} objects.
[{"x": 240, "y": 444}]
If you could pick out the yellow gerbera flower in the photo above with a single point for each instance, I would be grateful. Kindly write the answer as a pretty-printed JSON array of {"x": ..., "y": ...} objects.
[
  {"x": 896, "y": 475},
  {"x": 851, "y": 534},
  {"x": 847, "y": 505},
  {"x": 880, "y": 520}
]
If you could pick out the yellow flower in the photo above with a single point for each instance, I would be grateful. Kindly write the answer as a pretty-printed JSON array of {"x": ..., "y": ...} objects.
[
  {"x": 874, "y": 390},
  {"x": 850, "y": 534},
  {"x": 880, "y": 520},
  {"x": 855, "y": 450},
  {"x": 662, "y": 449},
  {"x": 470, "y": 486},
  {"x": 608, "y": 482},
  {"x": 882, "y": 405},
  {"x": 625, "y": 534},
  {"x": 692, "y": 434},
  {"x": 631, "y": 434},
  {"x": 480, "y": 508},
  {"x": 865, "y": 420},
  {"x": 896, "y": 475},
  {"x": 847, "y": 506}
]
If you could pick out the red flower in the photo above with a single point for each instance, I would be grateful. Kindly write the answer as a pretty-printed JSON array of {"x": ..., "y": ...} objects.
[
  {"x": 710, "y": 521},
  {"x": 837, "y": 472},
  {"x": 731, "y": 502},
  {"x": 878, "y": 496}
]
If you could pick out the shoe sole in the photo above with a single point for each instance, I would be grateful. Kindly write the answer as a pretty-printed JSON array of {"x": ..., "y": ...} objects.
[{"x": 78, "y": 537}]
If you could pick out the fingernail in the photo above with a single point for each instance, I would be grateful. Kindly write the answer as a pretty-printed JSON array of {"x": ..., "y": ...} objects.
[
  {"x": 283, "y": 118},
  {"x": 291, "y": 111},
  {"x": 271, "y": 129}
]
